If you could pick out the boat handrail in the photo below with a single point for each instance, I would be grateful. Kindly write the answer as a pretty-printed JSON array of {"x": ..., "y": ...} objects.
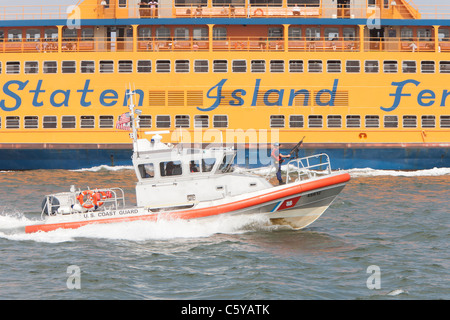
[{"x": 308, "y": 167}]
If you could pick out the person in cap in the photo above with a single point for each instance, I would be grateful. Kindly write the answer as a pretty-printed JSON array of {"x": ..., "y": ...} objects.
[{"x": 277, "y": 159}]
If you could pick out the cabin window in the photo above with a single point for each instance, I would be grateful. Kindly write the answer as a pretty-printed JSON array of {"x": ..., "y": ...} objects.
[
  {"x": 87, "y": 66},
  {"x": 0, "y": 122},
  {"x": 68, "y": 122},
  {"x": 349, "y": 34},
  {"x": 406, "y": 34},
  {"x": 372, "y": 121},
  {"x": 208, "y": 164},
  {"x": 68, "y": 67},
  {"x": 2, "y": 35},
  {"x": 315, "y": 121},
  {"x": 144, "y": 34},
  {"x": 163, "y": 33},
  {"x": 181, "y": 34},
  {"x": 296, "y": 121},
  {"x": 277, "y": 121},
  {"x": 200, "y": 33},
  {"x": 50, "y": 67},
  {"x": 277, "y": 66},
  {"x": 14, "y": 35},
  {"x": 331, "y": 34},
  {"x": 390, "y": 121},
  {"x": 87, "y": 122},
  {"x": 31, "y": 122},
  {"x": 33, "y": 35},
  {"x": 334, "y": 66},
  {"x": 125, "y": 66},
  {"x": 424, "y": 34},
  {"x": 220, "y": 33},
  {"x": 146, "y": 170},
  {"x": 353, "y": 121},
  {"x": 106, "y": 66},
  {"x": 163, "y": 121},
  {"x": 275, "y": 33},
  {"x": 13, "y": 67},
  {"x": 296, "y": 66},
  {"x": 69, "y": 34},
  {"x": 12, "y": 122},
  {"x": 87, "y": 34},
  {"x": 220, "y": 121},
  {"x": 444, "y": 67},
  {"x": 428, "y": 121},
  {"x": 315, "y": 66},
  {"x": 122, "y": 3},
  {"x": 106, "y": 121},
  {"x": 144, "y": 66},
  {"x": 0, "y": 67},
  {"x": 220, "y": 66},
  {"x": 145, "y": 121},
  {"x": 445, "y": 121},
  {"x": 444, "y": 34},
  {"x": 201, "y": 121},
  {"x": 409, "y": 121},
  {"x": 353, "y": 66},
  {"x": 49, "y": 122},
  {"x": 427, "y": 67},
  {"x": 390, "y": 66},
  {"x": 313, "y": 34},
  {"x": 371, "y": 3},
  {"x": 194, "y": 166},
  {"x": 334, "y": 121},
  {"x": 409, "y": 67},
  {"x": 201, "y": 66},
  {"x": 239, "y": 66},
  {"x": 258, "y": 66},
  {"x": 31, "y": 67},
  {"x": 182, "y": 66},
  {"x": 189, "y": 3},
  {"x": 51, "y": 34},
  {"x": 182, "y": 121},
  {"x": 295, "y": 33},
  {"x": 371, "y": 66},
  {"x": 163, "y": 66},
  {"x": 170, "y": 168}
]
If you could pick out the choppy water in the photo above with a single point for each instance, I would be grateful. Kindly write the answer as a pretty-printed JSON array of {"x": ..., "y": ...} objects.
[{"x": 393, "y": 222}]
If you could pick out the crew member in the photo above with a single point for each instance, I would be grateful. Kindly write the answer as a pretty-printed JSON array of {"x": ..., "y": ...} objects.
[{"x": 277, "y": 159}]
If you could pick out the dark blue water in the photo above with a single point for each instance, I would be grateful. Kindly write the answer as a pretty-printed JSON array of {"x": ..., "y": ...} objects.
[{"x": 392, "y": 222}]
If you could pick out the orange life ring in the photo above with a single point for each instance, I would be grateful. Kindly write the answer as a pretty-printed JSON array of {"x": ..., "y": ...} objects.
[
  {"x": 238, "y": 45},
  {"x": 258, "y": 12},
  {"x": 86, "y": 202}
]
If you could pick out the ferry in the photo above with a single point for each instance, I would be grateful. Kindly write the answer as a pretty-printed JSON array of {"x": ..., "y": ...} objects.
[
  {"x": 174, "y": 182},
  {"x": 365, "y": 81}
]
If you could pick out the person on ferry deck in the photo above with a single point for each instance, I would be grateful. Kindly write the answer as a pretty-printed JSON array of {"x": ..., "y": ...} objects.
[{"x": 277, "y": 160}]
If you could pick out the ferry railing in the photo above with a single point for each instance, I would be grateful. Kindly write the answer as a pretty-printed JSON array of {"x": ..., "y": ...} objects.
[{"x": 308, "y": 167}]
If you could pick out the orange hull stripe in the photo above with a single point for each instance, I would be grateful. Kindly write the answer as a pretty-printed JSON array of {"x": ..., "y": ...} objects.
[{"x": 205, "y": 212}]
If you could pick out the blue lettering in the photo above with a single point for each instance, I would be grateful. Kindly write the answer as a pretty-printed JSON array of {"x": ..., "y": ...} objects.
[
  {"x": 84, "y": 92},
  {"x": 279, "y": 102},
  {"x": 255, "y": 92},
  {"x": 21, "y": 85},
  {"x": 445, "y": 94},
  {"x": 426, "y": 94},
  {"x": 398, "y": 93},
  {"x": 127, "y": 97},
  {"x": 294, "y": 93},
  {"x": 106, "y": 95},
  {"x": 332, "y": 95},
  {"x": 65, "y": 102},
  {"x": 36, "y": 94},
  {"x": 218, "y": 97},
  {"x": 239, "y": 101}
]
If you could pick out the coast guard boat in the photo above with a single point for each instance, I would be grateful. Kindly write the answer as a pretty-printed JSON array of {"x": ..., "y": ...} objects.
[{"x": 193, "y": 183}]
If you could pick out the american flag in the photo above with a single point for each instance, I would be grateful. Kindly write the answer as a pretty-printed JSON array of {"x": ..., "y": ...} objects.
[{"x": 124, "y": 122}]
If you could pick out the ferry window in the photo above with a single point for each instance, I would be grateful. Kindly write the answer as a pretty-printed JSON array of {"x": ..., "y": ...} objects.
[
  {"x": 144, "y": 66},
  {"x": 0, "y": 67},
  {"x": 220, "y": 121},
  {"x": 51, "y": 34},
  {"x": 386, "y": 4},
  {"x": 170, "y": 168},
  {"x": 424, "y": 34},
  {"x": 390, "y": 66},
  {"x": 220, "y": 66},
  {"x": 12, "y": 67},
  {"x": 315, "y": 121},
  {"x": 295, "y": 121},
  {"x": 33, "y": 35},
  {"x": 87, "y": 34},
  {"x": 409, "y": 67},
  {"x": 258, "y": 66},
  {"x": 201, "y": 66},
  {"x": 125, "y": 66},
  {"x": 371, "y": 3},
  {"x": 194, "y": 166},
  {"x": 87, "y": 66},
  {"x": 445, "y": 121},
  {"x": 352, "y": 66},
  {"x": 163, "y": 121},
  {"x": 275, "y": 33},
  {"x": 106, "y": 121},
  {"x": 106, "y": 66},
  {"x": 144, "y": 33},
  {"x": 14, "y": 35},
  {"x": 145, "y": 121},
  {"x": 353, "y": 121},
  {"x": 182, "y": 66},
  {"x": 200, "y": 33},
  {"x": 49, "y": 122},
  {"x": 295, "y": 33},
  {"x": 313, "y": 34},
  {"x": 444, "y": 34},
  {"x": 31, "y": 67},
  {"x": 334, "y": 66},
  {"x": 331, "y": 34},
  {"x": 334, "y": 121},
  {"x": 296, "y": 66},
  {"x": 277, "y": 121},
  {"x": 0, "y": 122},
  {"x": 12, "y": 122},
  {"x": 315, "y": 66},
  {"x": 30, "y": 122},
  {"x": 50, "y": 67},
  {"x": 372, "y": 121},
  {"x": 390, "y": 121},
  {"x": 427, "y": 67},
  {"x": 2, "y": 35},
  {"x": 87, "y": 122},
  {"x": 220, "y": 33},
  {"x": 68, "y": 67},
  {"x": 371, "y": 66},
  {"x": 239, "y": 66},
  {"x": 208, "y": 164},
  {"x": 349, "y": 34},
  {"x": 122, "y": 3},
  {"x": 409, "y": 121},
  {"x": 146, "y": 170},
  {"x": 68, "y": 122},
  {"x": 428, "y": 121},
  {"x": 201, "y": 121},
  {"x": 444, "y": 67},
  {"x": 189, "y": 3},
  {"x": 181, "y": 34},
  {"x": 163, "y": 66},
  {"x": 277, "y": 66},
  {"x": 181, "y": 121},
  {"x": 69, "y": 34},
  {"x": 406, "y": 34}
]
